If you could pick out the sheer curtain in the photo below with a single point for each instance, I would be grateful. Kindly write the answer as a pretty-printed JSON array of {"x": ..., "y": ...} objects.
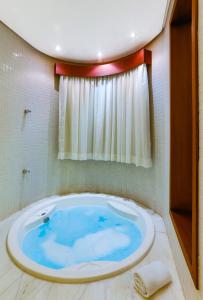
[{"x": 105, "y": 118}]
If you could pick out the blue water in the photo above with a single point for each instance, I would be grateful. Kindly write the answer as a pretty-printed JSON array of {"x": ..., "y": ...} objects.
[{"x": 82, "y": 234}]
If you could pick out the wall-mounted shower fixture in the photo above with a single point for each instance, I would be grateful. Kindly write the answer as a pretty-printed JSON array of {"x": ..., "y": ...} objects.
[
  {"x": 27, "y": 111},
  {"x": 25, "y": 171}
]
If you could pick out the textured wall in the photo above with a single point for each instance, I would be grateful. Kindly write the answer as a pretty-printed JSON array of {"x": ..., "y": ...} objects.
[{"x": 26, "y": 80}]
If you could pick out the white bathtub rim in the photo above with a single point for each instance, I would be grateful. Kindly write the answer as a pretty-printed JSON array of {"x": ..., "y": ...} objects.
[{"x": 84, "y": 272}]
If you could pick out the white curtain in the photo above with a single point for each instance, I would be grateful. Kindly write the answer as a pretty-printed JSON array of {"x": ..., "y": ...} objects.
[{"x": 105, "y": 118}]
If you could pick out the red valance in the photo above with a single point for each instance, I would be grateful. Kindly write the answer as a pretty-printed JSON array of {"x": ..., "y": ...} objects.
[{"x": 98, "y": 70}]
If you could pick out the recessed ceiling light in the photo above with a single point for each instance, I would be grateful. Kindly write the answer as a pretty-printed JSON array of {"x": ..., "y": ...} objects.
[
  {"x": 58, "y": 48},
  {"x": 132, "y": 35},
  {"x": 99, "y": 54}
]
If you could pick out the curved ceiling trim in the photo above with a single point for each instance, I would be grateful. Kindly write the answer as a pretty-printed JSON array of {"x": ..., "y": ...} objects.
[{"x": 121, "y": 65}]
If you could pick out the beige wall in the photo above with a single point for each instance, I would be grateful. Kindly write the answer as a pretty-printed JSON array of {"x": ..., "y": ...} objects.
[{"x": 27, "y": 81}]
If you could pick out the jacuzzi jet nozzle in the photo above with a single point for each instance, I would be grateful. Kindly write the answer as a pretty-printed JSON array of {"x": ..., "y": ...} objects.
[{"x": 46, "y": 220}]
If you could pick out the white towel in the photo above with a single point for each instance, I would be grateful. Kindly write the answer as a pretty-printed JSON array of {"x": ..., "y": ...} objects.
[{"x": 150, "y": 278}]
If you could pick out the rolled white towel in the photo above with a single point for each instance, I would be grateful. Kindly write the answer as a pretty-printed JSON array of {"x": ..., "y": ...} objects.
[{"x": 150, "y": 278}]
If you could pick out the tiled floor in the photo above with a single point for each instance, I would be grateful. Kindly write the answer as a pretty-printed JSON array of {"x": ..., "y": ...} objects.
[{"x": 17, "y": 285}]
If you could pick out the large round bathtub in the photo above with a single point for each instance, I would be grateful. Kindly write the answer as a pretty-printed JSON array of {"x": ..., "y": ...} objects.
[{"x": 80, "y": 237}]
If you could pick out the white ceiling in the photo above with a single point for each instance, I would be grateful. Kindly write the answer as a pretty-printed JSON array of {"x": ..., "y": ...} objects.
[{"x": 85, "y": 30}]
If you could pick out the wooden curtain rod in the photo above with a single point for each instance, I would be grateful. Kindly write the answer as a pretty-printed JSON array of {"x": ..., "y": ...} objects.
[{"x": 98, "y": 70}]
